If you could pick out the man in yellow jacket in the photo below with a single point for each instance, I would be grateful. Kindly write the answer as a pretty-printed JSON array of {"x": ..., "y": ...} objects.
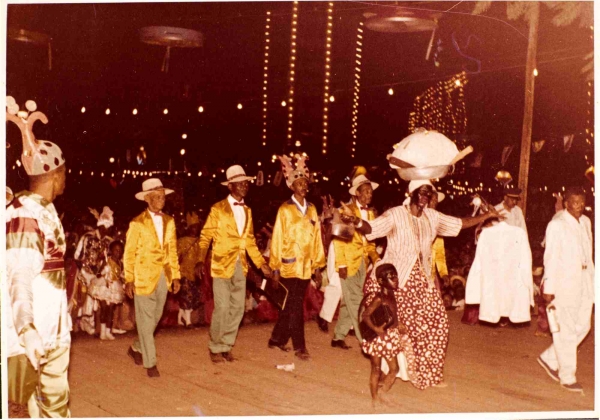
[
  {"x": 151, "y": 267},
  {"x": 296, "y": 254},
  {"x": 230, "y": 229},
  {"x": 352, "y": 260}
]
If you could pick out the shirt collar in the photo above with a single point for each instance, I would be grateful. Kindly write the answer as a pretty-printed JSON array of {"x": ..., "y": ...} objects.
[
  {"x": 33, "y": 196},
  {"x": 154, "y": 214},
  {"x": 233, "y": 200},
  {"x": 304, "y": 207},
  {"x": 569, "y": 217}
]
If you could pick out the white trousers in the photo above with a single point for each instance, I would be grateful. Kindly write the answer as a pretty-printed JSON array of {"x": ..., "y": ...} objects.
[
  {"x": 331, "y": 298},
  {"x": 333, "y": 290},
  {"x": 574, "y": 323}
]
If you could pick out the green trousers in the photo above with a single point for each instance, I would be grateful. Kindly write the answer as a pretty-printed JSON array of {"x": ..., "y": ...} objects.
[
  {"x": 230, "y": 300},
  {"x": 148, "y": 310},
  {"x": 352, "y": 294}
]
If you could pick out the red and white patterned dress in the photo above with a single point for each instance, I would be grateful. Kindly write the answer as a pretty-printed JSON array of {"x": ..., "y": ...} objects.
[{"x": 420, "y": 306}]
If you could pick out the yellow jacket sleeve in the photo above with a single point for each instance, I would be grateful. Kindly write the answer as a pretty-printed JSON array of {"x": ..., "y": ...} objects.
[
  {"x": 251, "y": 246},
  {"x": 372, "y": 252},
  {"x": 171, "y": 240},
  {"x": 439, "y": 255},
  {"x": 318, "y": 260},
  {"x": 208, "y": 233},
  {"x": 131, "y": 240},
  {"x": 277, "y": 241}
]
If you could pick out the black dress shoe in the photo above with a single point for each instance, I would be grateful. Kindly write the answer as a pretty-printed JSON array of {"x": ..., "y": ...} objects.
[
  {"x": 281, "y": 347},
  {"x": 323, "y": 325},
  {"x": 216, "y": 357},
  {"x": 153, "y": 372},
  {"x": 303, "y": 354},
  {"x": 228, "y": 356},
  {"x": 136, "y": 356},
  {"x": 340, "y": 343}
]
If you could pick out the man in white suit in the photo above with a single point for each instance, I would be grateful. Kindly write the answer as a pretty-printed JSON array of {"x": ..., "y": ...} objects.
[{"x": 569, "y": 284}]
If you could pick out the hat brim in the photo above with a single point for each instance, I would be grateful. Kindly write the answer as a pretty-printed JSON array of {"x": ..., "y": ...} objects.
[
  {"x": 142, "y": 194},
  {"x": 240, "y": 179},
  {"x": 374, "y": 185},
  {"x": 513, "y": 195}
]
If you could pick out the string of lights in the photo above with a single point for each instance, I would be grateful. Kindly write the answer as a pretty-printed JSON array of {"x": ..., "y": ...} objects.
[
  {"x": 266, "y": 75},
  {"x": 326, "y": 97},
  {"x": 441, "y": 107},
  {"x": 356, "y": 89},
  {"x": 292, "y": 75}
]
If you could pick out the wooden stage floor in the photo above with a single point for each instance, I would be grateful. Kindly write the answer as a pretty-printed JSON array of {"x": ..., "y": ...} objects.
[{"x": 487, "y": 369}]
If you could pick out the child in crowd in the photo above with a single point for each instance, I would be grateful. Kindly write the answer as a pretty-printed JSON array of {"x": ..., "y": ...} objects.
[
  {"x": 111, "y": 292},
  {"x": 390, "y": 338}
]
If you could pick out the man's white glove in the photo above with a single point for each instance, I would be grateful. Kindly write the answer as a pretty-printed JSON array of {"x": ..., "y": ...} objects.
[{"x": 34, "y": 348}]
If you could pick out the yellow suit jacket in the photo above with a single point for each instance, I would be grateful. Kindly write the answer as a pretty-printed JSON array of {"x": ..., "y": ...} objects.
[
  {"x": 352, "y": 253},
  {"x": 144, "y": 258},
  {"x": 296, "y": 245},
  {"x": 221, "y": 229}
]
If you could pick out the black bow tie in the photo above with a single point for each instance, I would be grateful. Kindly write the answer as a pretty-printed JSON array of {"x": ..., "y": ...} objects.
[
  {"x": 238, "y": 203},
  {"x": 156, "y": 213},
  {"x": 364, "y": 208}
]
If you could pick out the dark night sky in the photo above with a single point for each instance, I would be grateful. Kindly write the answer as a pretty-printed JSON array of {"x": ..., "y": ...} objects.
[{"x": 99, "y": 62}]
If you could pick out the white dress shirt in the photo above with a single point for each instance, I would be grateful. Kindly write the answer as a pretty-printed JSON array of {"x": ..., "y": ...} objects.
[
  {"x": 302, "y": 208},
  {"x": 239, "y": 214},
  {"x": 158, "y": 225}
]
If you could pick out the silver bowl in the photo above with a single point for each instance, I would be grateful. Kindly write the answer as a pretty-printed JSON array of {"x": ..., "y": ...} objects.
[{"x": 429, "y": 172}]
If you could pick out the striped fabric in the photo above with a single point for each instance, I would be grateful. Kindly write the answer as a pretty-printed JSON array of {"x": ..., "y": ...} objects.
[
  {"x": 403, "y": 230},
  {"x": 35, "y": 248}
]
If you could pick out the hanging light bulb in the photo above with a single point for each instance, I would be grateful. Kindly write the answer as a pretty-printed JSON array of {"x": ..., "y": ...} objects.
[
  {"x": 83, "y": 110},
  {"x": 165, "y": 111},
  {"x": 135, "y": 111},
  {"x": 184, "y": 136},
  {"x": 107, "y": 111},
  {"x": 182, "y": 152},
  {"x": 390, "y": 91},
  {"x": 200, "y": 109},
  {"x": 239, "y": 106}
]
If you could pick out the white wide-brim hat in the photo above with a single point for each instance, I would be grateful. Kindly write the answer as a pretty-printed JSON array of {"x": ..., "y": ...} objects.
[
  {"x": 151, "y": 185},
  {"x": 361, "y": 180},
  {"x": 236, "y": 173}
]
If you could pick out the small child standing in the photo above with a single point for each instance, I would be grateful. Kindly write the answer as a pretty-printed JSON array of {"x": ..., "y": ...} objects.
[{"x": 388, "y": 342}]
